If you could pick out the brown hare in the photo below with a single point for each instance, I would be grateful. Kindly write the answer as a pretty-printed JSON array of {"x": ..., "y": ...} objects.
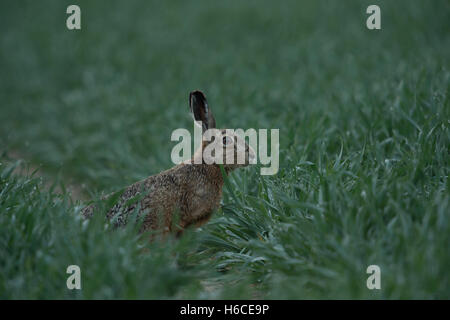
[{"x": 186, "y": 194}]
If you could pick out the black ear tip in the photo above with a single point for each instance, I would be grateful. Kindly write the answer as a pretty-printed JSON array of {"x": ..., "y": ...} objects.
[{"x": 197, "y": 95}]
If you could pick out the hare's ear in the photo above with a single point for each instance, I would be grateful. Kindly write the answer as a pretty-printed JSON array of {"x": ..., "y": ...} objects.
[{"x": 200, "y": 110}]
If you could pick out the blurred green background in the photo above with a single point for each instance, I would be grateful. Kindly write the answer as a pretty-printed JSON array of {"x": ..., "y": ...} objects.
[{"x": 363, "y": 118}]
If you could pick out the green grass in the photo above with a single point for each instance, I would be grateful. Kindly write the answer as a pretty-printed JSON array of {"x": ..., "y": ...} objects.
[{"x": 364, "y": 146}]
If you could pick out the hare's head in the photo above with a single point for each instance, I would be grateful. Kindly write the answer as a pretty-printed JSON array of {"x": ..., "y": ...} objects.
[{"x": 218, "y": 145}]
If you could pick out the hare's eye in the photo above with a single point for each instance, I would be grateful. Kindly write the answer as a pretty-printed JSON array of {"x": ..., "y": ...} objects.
[{"x": 226, "y": 140}]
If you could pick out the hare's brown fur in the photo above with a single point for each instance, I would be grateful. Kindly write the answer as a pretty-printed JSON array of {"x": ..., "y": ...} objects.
[{"x": 191, "y": 190}]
